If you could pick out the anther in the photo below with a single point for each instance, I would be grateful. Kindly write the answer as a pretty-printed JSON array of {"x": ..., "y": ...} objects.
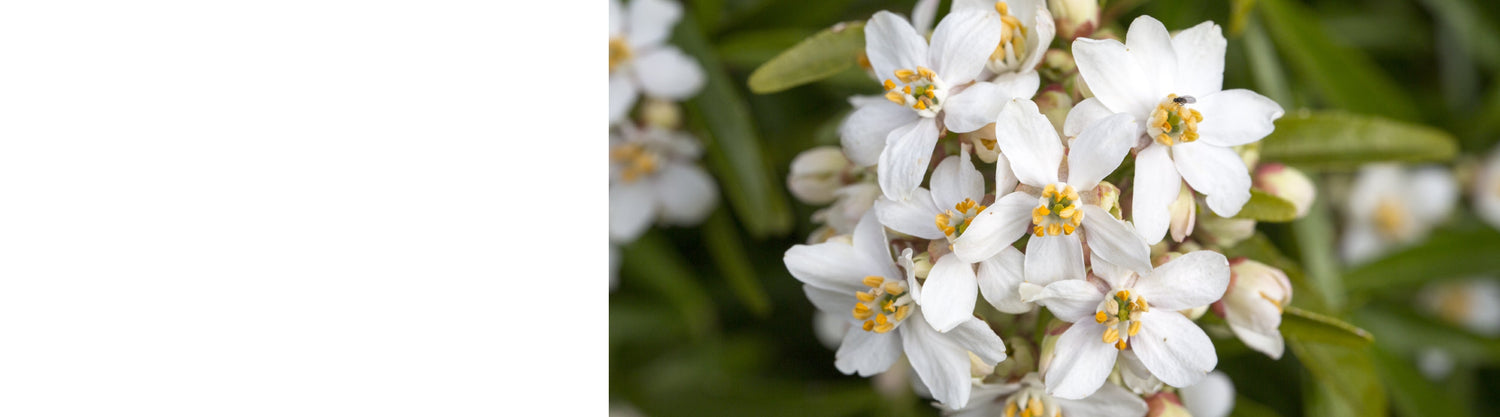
[{"x": 873, "y": 281}]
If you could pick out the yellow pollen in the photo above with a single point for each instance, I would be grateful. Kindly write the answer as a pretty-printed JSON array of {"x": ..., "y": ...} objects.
[
  {"x": 1039, "y": 231},
  {"x": 873, "y": 281},
  {"x": 1172, "y": 122},
  {"x": 1391, "y": 218},
  {"x": 636, "y": 161},
  {"x": 921, "y": 105},
  {"x": 864, "y": 297},
  {"x": 1120, "y": 344},
  {"x": 1010, "y": 407},
  {"x": 1054, "y": 229},
  {"x": 1068, "y": 229},
  {"x": 906, "y": 89},
  {"x": 869, "y": 325},
  {"x": 889, "y": 306},
  {"x": 619, "y": 52},
  {"x": 1066, "y": 212},
  {"x": 1111, "y": 334},
  {"x": 905, "y": 75},
  {"x": 1100, "y": 317},
  {"x": 862, "y": 312},
  {"x": 990, "y": 144},
  {"x": 881, "y": 320},
  {"x": 1135, "y": 327},
  {"x": 926, "y": 73},
  {"x": 902, "y": 312},
  {"x": 1034, "y": 407},
  {"x": 892, "y": 288},
  {"x": 882, "y": 328},
  {"x": 889, "y": 85},
  {"x": 1123, "y": 294},
  {"x": 1050, "y": 191}
]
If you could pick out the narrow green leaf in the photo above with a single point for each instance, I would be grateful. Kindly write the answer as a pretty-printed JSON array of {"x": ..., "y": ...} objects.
[
  {"x": 1313, "y": 327},
  {"x": 1343, "y": 76},
  {"x": 1336, "y": 140},
  {"x": 733, "y": 148},
  {"x": 1447, "y": 254},
  {"x": 821, "y": 56},
  {"x": 1267, "y": 208},
  {"x": 652, "y": 262},
  {"x": 1314, "y": 236},
  {"x": 1245, "y": 407},
  {"x": 1346, "y": 383},
  {"x": 724, "y": 246},
  {"x": 1411, "y": 393},
  {"x": 1265, "y": 66},
  {"x": 1406, "y": 333},
  {"x": 1476, "y": 34}
]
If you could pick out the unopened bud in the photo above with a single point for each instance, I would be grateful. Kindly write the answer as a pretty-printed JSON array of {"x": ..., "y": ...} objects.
[
  {"x": 922, "y": 263},
  {"x": 1107, "y": 197},
  {"x": 1288, "y": 183},
  {"x": 1212, "y": 396},
  {"x": 661, "y": 113},
  {"x": 1165, "y": 404},
  {"x": 984, "y": 144},
  {"x": 1074, "y": 18},
  {"x": 1055, "y": 329},
  {"x": 1055, "y": 104},
  {"x": 1253, "y": 303},
  {"x": 817, "y": 174},
  {"x": 1184, "y": 214},
  {"x": 1220, "y": 232}
]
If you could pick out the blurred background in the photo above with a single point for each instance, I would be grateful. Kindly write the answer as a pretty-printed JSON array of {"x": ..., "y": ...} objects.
[{"x": 707, "y": 321}]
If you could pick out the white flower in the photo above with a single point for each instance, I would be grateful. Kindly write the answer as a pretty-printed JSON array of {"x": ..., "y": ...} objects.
[
  {"x": 1026, "y": 29},
  {"x": 640, "y": 60},
  {"x": 1172, "y": 83},
  {"x": 1253, "y": 303},
  {"x": 1487, "y": 189},
  {"x": 1473, "y": 304},
  {"x": 1288, "y": 183},
  {"x": 1058, "y": 212},
  {"x": 850, "y": 203},
  {"x": 1028, "y": 397},
  {"x": 1389, "y": 207},
  {"x": 1211, "y": 397},
  {"x": 653, "y": 175},
  {"x": 944, "y": 213},
  {"x": 925, "y": 82},
  {"x": 817, "y": 174},
  {"x": 860, "y": 281},
  {"x": 1138, "y": 312}
]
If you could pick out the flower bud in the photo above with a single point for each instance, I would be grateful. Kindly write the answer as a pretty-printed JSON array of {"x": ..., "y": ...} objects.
[
  {"x": 1107, "y": 196},
  {"x": 1212, "y": 396},
  {"x": 1055, "y": 329},
  {"x": 661, "y": 113},
  {"x": 1020, "y": 361},
  {"x": 1055, "y": 104},
  {"x": 1184, "y": 213},
  {"x": 1165, "y": 404},
  {"x": 1288, "y": 183},
  {"x": 1252, "y": 305},
  {"x": 984, "y": 144},
  {"x": 1074, "y": 18},
  {"x": 817, "y": 174},
  {"x": 850, "y": 203},
  {"x": 1059, "y": 61},
  {"x": 1221, "y": 232},
  {"x": 921, "y": 265}
]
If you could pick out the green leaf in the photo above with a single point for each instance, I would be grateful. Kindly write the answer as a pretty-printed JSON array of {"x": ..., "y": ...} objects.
[
  {"x": 724, "y": 246},
  {"x": 1267, "y": 208},
  {"x": 652, "y": 262},
  {"x": 1476, "y": 32},
  {"x": 1336, "y": 140},
  {"x": 1246, "y": 407},
  {"x": 1447, "y": 254},
  {"x": 733, "y": 148},
  {"x": 821, "y": 56},
  {"x": 1313, "y": 327},
  {"x": 1411, "y": 393},
  {"x": 1343, "y": 76},
  {"x": 1403, "y": 332},
  {"x": 1315, "y": 243},
  {"x": 1346, "y": 383},
  {"x": 1260, "y": 249}
]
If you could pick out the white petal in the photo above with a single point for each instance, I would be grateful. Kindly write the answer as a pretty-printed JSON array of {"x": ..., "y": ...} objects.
[
  {"x": 1236, "y": 117},
  {"x": 1114, "y": 275},
  {"x": 1190, "y": 281},
  {"x": 1156, "y": 186},
  {"x": 1361, "y": 243},
  {"x": 1005, "y": 178},
  {"x": 1029, "y": 142},
  {"x": 1110, "y": 401},
  {"x": 687, "y": 194},
  {"x": 668, "y": 73},
  {"x": 1085, "y": 114},
  {"x": 631, "y": 209},
  {"x": 1151, "y": 45},
  {"x": 1216, "y": 172},
  {"x": 968, "y": 5},
  {"x": 1017, "y": 85},
  {"x": 1053, "y": 258},
  {"x": 962, "y": 43},
  {"x": 1115, "y": 240},
  {"x": 907, "y": 154},
  {"x": 949, "y": 293},
  {"x": 995, "y": 228},
  {"x": 1173, "y": 348},
  {"x": 942, "y": 365},
  {"x": 863, "y": 133},
  {"x": 873, "y": 248},
  {"x": 914, "y": 217},
  {"x": 956, "y": 180},
  {"x": 1113, "y": 75},
  {"x": 1200, "y": 59},
  {"x": 830, "y": 329},
  {"x": 1267, "y": 342},
  {"x": 1099, "y": 149},
  {"x": 1082, "y": 361},
  {"x": 1043, "y": 29},
  {"x": 616, "y": 18},
  {"x": 1071, "y": 300},
  {"x": 867, "y": 353},
  {"x": 974, "y": 107},
  {"x": 922, "y": 15},
  {"x": 831, "y": 266},
  {"x": 1212, "y": 397},
  {"x": 1000, "y": 279},
  {"x": 1433, "y": 192},
  {"x": 976, "y": 336},
  {"x": 651, "y": 21},
  {"x": 834, "y": 303},
  {"x": 891, "y": 44},
  {"x": 622, "y": 95}
]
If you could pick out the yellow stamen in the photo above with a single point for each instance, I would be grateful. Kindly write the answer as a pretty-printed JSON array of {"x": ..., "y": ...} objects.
[
  {"x": 905, "y": 75},
  {"x": 889, "y": 85},
  {"x": 1054, "y": 229},
  {"x": 868, "y": 325},
  {"x": 894, "y": 288},
  {"x": 1111, "y": 334},
  {"x": 1010, "y": 407},
  {"x": 1068, "y": 229},
  {"x": 619, "y": 52},
  {"x": 902, "y": 312},
  {"x": 864, "y": 297},
  {"x": 1120, "y": 344},
  {"x": 873, "y": 281},
  {"x": 1135, "y": 327},
  {"x": 895, "y": 97},
  {"x": 1100, "y": 317},
  {"x": 862, "y": 312}
]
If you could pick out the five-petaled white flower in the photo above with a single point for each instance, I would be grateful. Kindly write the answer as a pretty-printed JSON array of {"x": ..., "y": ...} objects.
[
  {"x": 860, "y": 280},
  {"x": 1390, "y": 206},
  {"x": 944, "y": 213},
  {"x": 640, "y": 60},
  {"x": 1138, "y": 312},
  {"x": 924, "y": 84},
  {"x": 653, "y": 174},
  {"x": 1026, "y": 29},
  {"x": 1028, "y": 397},
  {"x": 1057, "y": 212},
  {"x": 1172, "y": 84},
  {"x": 1486, "y": 192}
]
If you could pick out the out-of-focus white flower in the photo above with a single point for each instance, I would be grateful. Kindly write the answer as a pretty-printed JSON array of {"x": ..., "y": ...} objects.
[
  {"x": 861, "y": 281},
  {"x": 1473, "y": 304},
  {"x": 1139, "y": 312},
  {"x": 1028, "y": 397},
  {"x": 1056, "y": 211},
  {"x": 1026, "y": 29},
  {"x": 944, "y": 213},
  {"x": 929, "y": 81},
  {"x": 849, "y": 204},
  {"x": 1435, "y": 363},
  {"x": 1253, "y": 304},
  {"x": 1075, "y": 17},
  {"x": 654, "y": 175},
  {"x": 640, "y": 60},
  {"x": 817, "y": 173},
  {"x": 1390, "y": 206},
  {"x": 1211, "y": 397},
  {"x": 1487, "y": 189},
  {"x": 1172, "y": 84},
  {"x": 1288, "y": 183}
]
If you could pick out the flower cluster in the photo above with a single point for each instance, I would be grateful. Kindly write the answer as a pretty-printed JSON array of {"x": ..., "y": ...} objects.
[{"x": 1055, "y": 214}]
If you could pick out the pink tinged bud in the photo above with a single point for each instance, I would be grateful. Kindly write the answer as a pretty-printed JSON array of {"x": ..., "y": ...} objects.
[
  {"x": 1253, "y": 304},
  {"x": 1074, "y": 18},
  {"x": 1184, "y": 213},
  {"x": 1165, "y": 404},
  {"x": 1107, "y": 196},
  {"x": 1288, "y": 183},
  {"x": 817, "y": 173}
]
